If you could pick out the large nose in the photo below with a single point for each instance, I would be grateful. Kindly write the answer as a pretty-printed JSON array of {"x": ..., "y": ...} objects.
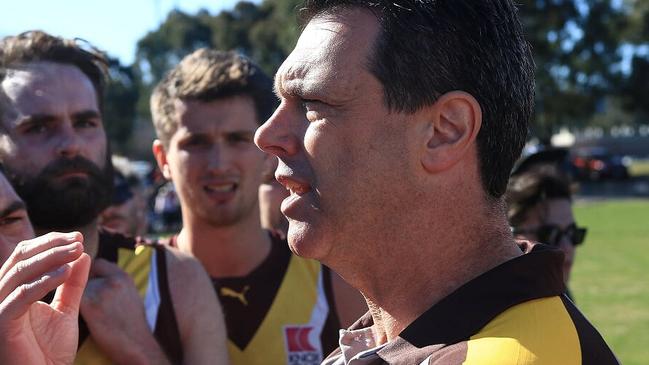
[
  {"x": 278, "y": 136},
  {"x": 217, "y": 157},
  {"x": 69, "y": 144}
]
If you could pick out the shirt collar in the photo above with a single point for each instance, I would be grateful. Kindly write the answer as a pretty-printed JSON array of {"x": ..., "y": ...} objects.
[{"x": 536, "y": 274}]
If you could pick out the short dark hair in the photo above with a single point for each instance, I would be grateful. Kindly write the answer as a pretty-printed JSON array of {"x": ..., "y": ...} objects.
[
  {"x": 430, "y": 47},
  {"x": 532, "y": 187},
  {"x": 38, "y": 46},
  {"x": 208, "y": 75}
]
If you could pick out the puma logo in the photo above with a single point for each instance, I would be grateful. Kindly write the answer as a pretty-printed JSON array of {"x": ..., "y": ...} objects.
[{"x": 228, "y": 292}]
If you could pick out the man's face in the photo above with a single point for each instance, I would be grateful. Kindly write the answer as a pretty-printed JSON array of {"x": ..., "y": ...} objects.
[
  {"x": 14, "y": 223},
  {"x": 557, "y": 212},
  {"x": 127, "y": 217},
  {"x": 54, "y": 145},
  {"x": 341, "y": 152},
  {"x": 213, "y": 162}
]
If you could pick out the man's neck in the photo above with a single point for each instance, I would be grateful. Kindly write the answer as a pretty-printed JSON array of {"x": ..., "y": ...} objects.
[
  {"x": 225, "y": 251},
  {"x": 432, "y": 267},
  {"x": 90, "y": 236}
]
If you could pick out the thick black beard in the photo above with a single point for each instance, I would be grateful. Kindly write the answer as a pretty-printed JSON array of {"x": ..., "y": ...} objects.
[{"x": 73, "y": 204}]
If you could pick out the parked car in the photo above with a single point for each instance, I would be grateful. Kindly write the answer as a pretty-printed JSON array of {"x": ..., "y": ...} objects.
[{"x": 596, "y": 163}]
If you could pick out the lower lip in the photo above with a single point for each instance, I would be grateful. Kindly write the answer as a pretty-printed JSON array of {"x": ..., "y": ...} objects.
[
  {"x": 291, "y": 204},
  {"x": 220, "y": 197},
  {"x": 73, "y": 175}
]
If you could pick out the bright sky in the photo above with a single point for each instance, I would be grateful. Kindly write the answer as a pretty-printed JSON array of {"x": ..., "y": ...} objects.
[{"x": 114, "y": 26}]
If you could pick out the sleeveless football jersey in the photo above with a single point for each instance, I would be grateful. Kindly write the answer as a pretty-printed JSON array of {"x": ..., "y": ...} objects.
[
  {"x": 146, "y": 264},
  {"x": 281, "y": 313}
]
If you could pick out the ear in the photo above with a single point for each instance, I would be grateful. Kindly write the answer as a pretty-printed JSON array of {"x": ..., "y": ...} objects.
[
  {"x": 453, "y": 125},
  {"x": 160, "y": 155}
]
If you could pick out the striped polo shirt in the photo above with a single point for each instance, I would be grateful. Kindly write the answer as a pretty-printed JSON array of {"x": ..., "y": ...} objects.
[{"x": 514, "y": 314}]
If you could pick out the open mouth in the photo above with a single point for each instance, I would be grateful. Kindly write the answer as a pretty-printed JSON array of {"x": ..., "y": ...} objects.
[
  {"x": 220, "y": 188},
  {"x": 294, "y": 187}
]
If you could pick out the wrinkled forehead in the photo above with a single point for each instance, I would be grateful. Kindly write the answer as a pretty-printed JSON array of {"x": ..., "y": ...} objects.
[
  {"x": 42, "y": 87},
  {"x": 332, "y": 48}
]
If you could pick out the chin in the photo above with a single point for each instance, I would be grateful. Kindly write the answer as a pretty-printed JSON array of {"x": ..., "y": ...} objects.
[{"x": 306, "y": 242}]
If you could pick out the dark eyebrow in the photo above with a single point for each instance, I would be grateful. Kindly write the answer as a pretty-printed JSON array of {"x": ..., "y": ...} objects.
[
  {"x": 87, "y": 114},
  {"x": 242, "y": 133},
  {"x": 13, "y": 207},
  {"x": 46, "y": 118},
  {"x": 36, "y": 119}
]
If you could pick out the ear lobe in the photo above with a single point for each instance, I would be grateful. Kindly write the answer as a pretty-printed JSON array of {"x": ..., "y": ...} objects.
[
  {"x": 455, "y": 120},
  {"x": 161, "y": 158}
]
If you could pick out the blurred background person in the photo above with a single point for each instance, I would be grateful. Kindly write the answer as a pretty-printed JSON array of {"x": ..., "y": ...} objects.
[
  {"x": 271, "y": 195},
  {"x": 540, "y": 209},
  {"x": 166, "y": 216},
  {"x": 127, "y": 212}
]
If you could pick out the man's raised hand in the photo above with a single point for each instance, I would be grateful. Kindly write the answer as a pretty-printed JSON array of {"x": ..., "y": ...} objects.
[{"x": 33, "y": 332}]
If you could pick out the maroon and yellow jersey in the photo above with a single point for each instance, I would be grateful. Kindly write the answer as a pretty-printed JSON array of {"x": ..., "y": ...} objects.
[
  {"x": 280, "y": 313},
  {"x": 514, "y": 314},
  {"x": 146, "y": 264}
]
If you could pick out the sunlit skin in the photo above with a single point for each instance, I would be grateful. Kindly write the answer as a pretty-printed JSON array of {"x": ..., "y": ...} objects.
[
  {"x": 374, "y": 191},
  {"x": 54, "y": 114},
  {"x": 330, "y": 133},
  {"x": 553, "y": 211},
  {"x": 27, "y": 273},
  {"x": 216, "y": 167},
  {"x": 14, "y": 222}
]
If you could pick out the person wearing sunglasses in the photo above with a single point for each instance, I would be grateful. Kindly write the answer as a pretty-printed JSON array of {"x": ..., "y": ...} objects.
[{"x": 540, "y": 209}]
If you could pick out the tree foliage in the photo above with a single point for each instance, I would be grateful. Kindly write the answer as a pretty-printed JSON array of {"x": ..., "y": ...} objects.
[
  {"x": 576, "y": 47},
  {"x": 119, "y": 104},
  {"x": 589, "y": 53}
]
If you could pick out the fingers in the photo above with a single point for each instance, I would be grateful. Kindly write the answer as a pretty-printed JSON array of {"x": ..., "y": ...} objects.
[
  {"x": 31, "y": 268},
  {"x": 29, "y": 248},
  {"x": 68, "y": 296},
  {"x": 22, "y": 297}
]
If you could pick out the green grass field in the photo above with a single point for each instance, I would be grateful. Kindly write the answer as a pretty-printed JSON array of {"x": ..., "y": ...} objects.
[{"x": 610, "y": 279}]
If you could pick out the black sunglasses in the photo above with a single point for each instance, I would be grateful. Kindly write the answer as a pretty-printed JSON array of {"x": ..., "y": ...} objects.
[{"x": 551, "y": 234}]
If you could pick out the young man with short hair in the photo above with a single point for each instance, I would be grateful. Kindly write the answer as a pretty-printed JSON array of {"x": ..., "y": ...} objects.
[{"x": 279, "y": 308}]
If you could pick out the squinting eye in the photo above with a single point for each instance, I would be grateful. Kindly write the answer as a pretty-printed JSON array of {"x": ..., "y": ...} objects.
[
  {"x": 309, "y": 107},
  {"x": 311, "y": 116},
  {"x": 10, "y": 220},
  {"x": 85, "y": 124},
  {"x": 36, "y": 129}
]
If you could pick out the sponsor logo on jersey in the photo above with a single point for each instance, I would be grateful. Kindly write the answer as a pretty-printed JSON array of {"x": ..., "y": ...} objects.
[{"x": 299, "y": 349}]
